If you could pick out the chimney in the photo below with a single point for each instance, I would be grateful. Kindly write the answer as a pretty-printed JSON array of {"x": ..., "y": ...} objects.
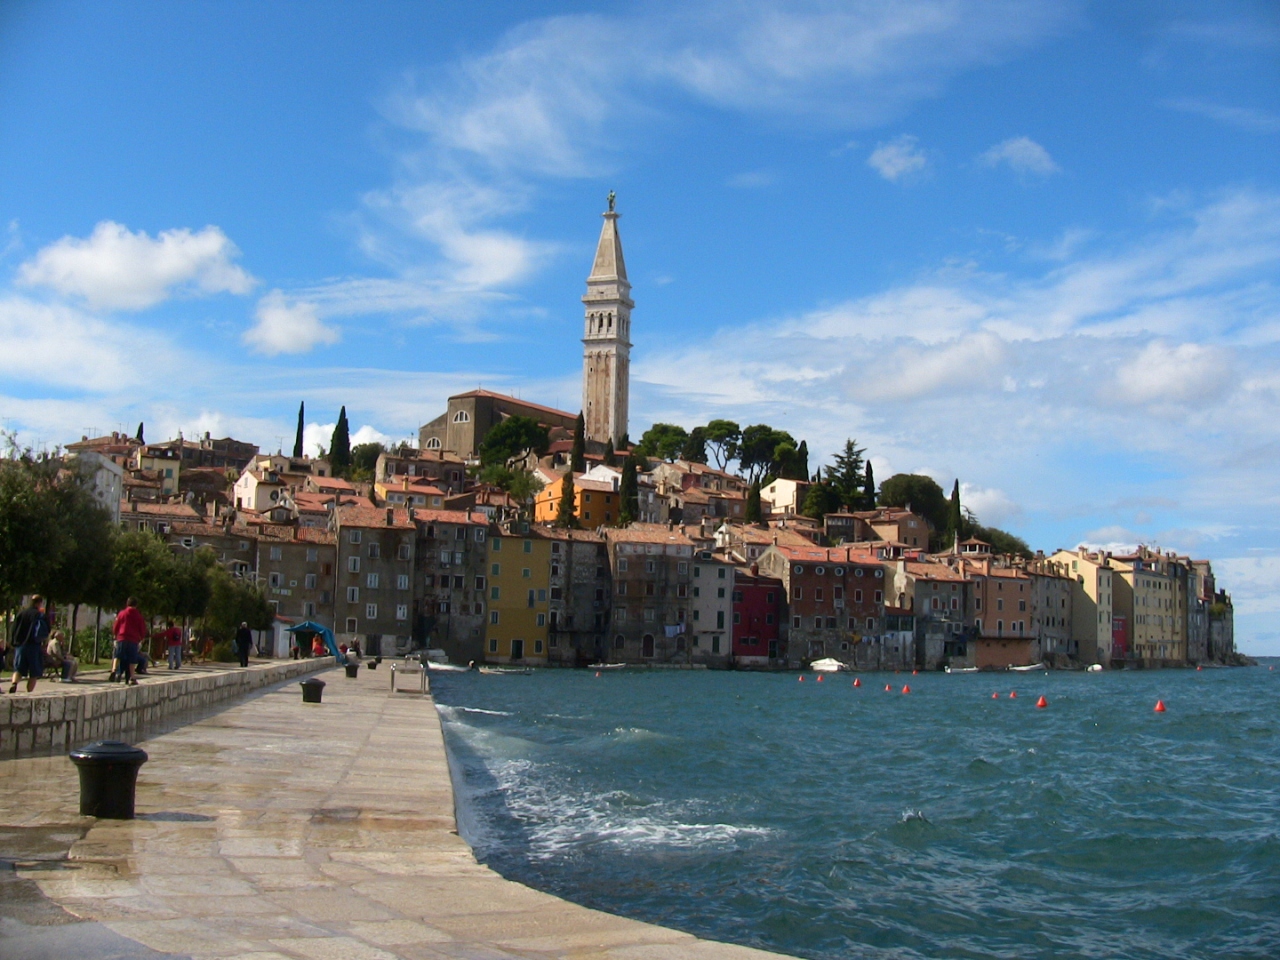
[
  {"x": 755, "y": 569},
  {"x": 391, "y": 516}
]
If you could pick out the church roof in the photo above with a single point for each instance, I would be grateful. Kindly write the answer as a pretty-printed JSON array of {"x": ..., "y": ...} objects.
[{"x": 609, "y": 264}]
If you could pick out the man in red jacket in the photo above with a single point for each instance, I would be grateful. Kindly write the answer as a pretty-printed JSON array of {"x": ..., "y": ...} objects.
[{"x": 130, "y": 630}]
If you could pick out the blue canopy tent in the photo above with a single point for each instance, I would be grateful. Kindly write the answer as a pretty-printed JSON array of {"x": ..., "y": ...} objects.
[{"x": 309, "y": 628}]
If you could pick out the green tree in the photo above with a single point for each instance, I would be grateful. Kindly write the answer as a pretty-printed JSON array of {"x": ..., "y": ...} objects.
[
  {"x": 955, "y": 518},
  {"x": 754, "y": 514},
  {"x": 846, "y": 473},
  {"x": 869, "y": 489},
  {"x": 922, "y": 493},
  {"x": 364, "y": 461},
  {"x": 1002, "y": 541},
  {"x": 722, "y": 438},
  {"x": 578, "y": 457},
  {"x": 663, "y": 441},
  {"x": 510, "y": 442},
  {"x": 144, "y": 567},
  {"x": 610, "y": 456},
  {"x": 566, "y": 512},
  {"x": 139, "y": 436},
  {"x": 81, "y": 572},
  {"x": 695, "y": 448},
  {"x": 297, "y": 440},
  {"x": 233, "y": 601},
  {"x": 820, "y": 499},
  {"x": 31, "y": 536},
  {"x": 520, "y": 483},
  {"x": 340, "y": 445},
  {"x": 764, "y": 451},
  {"x": 629, "y": 490}
]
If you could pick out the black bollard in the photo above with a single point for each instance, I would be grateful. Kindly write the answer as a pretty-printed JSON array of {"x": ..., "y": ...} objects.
[
  {"x": 352, "y": 670},
  {"x": 372, "y": 664},
  {"x": 312, "y": 690},
  {"x": 108, "y": 775}
]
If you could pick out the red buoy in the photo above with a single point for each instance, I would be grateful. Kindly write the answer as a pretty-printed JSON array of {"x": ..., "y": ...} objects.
[
  {"x": 819, "y": 678},
  {"x": 887, "y": 688},
  {"x": 1013, "y": 694},
  {"x": 1198, "y": 669},
  {"x": 801, "y": 678},
  {"x": 1042, "y": 702},
  {"x": 906, "y": 689},
  {"x": 1159, "y": 706},
  {"x": 995, "y": 696},
  {"x": 597, "y": 673},
  {"x": 857, "y": 682},
  {"x": 915, "y": 672}
]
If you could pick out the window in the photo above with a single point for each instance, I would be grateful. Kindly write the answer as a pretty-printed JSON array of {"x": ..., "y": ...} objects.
[
  {"x": 768, "y": 597},
  {"x": 820, "y": 571},
  {"x": 720, "y": 573},
  {"x": 542, "y": 622},
  {"x": 649, "y": 589},
  {"x": 458, "y": 581},
  {"x": 457, "y": 559},
  {"x": 480, "y": 583},
  {"x": 999, "y": 601},
  {"x": 375, "y": 551},
  {"x": 697, "y": 571},
  {"x": 462, "y": 417},
  {"x": 619, "y": 614},
  {"x": 353, "y": 594},
  {"x": 798, "y": 592},
  {"x": 795, "y": 622},
  {"x": 312, "y": 555},
  {"x": 650, "y": 615},
  {"x": 371, "y": 611},
  {"x": 351, "y": 624},
  {"x": 977, "y": 603},
  {"x": 831, "y": 623},
  {"x": 274, "y": 580},
  {"x": 619, "y": 642},
  {"x": 537, "y": 646},
  {"x": 493, "y": 644},
  {"x": 622, "y": 564},
  {"x": 444, "y": 606},
  {"x": 768, "y": 617},
  {"x": 817, "y": 593},
  {"x": 622, "y": 588},
  {"x": 479, "y": 534},
  {"x": 525, "y": 573},
  {"x": 353, "y": 564},
  {"x": 682, "y": 590},
  {"x": 528, "y": 546},
  {"x": 1022, "y": 606},
  {"x": 371, "y": 581},
  {"x": 308, "y": 609},
  {"x": 682, "y": 567},
  {"x": 277, "y": 553},
  {"x": 797, "y": 569},
  {"x": 402, "y": 551},
  {"x": 402, "y": 611},
  {"x": 495, "y": 593},
  {"x": 737, "y": 617},
  {"x": 817, "y": 623},
  {"x": 494, "y": 570},
  {"x": 402, "y": 581},
  {"x": 837, "y": 593},
  {"x": 309, "y": 581},
  {"x": 719, "y": 619},
  {"x": 871, "y": 624},
  {"x": 459, "y": 533},
  {"x": 557, "y": 593},
  {"x": 879, "y": 596},
  {"x": 433, "y": 443},
  {"x": 495, "y": 544},
  {"x": 353, "y": 536},
  {"x": 493, "y": 615},
  {"x": 650, "y": 566},
  {"x": 244, "y": 544}
]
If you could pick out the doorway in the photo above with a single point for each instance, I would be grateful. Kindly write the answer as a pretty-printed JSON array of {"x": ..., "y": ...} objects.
[
  {"x": 517, "y": 649},
  {"x": 646, "y": 645}
]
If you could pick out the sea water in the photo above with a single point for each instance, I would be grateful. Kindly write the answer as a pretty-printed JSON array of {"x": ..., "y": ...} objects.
[{"x": 827, "y": 821}]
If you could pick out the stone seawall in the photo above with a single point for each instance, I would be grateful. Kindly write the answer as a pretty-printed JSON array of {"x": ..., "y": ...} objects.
[{"x": 69, "y": 715}]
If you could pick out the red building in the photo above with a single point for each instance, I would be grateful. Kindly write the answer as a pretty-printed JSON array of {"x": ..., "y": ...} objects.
[{"x": 758, "y": 610}]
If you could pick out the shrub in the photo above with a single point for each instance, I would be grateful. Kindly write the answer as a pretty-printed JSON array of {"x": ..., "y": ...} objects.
[{"x": 223, "y": 652}]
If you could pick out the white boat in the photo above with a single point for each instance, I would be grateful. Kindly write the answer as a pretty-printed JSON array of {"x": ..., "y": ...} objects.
[
  {"x": 1094, "y": 668},
  {"x": 827, "y": 665},
  {"x": 962, "y": 669},
  {"x": 445, "y": 667},
  {"x": 606, "y": 666},
  {"x": 1028, "y": 667},
  {"x": 508, "y": 671}
]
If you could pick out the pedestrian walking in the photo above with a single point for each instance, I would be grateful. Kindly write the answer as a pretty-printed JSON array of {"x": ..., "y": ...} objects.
[
  {"x": 130, "y": 629},
  {"x": 244, "y": 642},
  {"x": 30, "y": 627},
  {"x": 172, "y": 637}
]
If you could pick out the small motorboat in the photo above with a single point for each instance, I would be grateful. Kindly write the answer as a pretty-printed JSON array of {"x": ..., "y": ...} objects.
[
  {"x": 827, "y": 665},
  {"x": 1027, "y": 667},
  {"x": 1094, "y": 668},
  {"x": 606, "y": 666},
  {"x": 508, "y": 671},
  {"x": 961, "y": 669},
  {"x": 435, "y": 667}
]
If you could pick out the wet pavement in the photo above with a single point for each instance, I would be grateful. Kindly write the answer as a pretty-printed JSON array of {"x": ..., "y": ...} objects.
[{"x": 276, "y": 829}]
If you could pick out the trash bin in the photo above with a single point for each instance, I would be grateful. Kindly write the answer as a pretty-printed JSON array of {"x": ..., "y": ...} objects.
[
  {"x": 373, "y": 664},
  {"x": 312, "y": 690},
  {"x": 108, "y": 775},
  {"x": 352, "y": 670}
]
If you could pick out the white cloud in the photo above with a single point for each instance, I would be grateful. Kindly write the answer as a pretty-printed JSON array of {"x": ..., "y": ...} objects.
[
  {"x": 751, "y": 180},
  {"x": 898, "y": 158},
  {"x": 1022, "y": 154},
  {"x": 1252, "y": 581},
  {"x": 1243, "y": 118},
  {"x": 285, "y": 326},
  {"x": 117, "y": 270},
  {"x": 992, "y": 507},
  {"x": 1185, "y": 373}
]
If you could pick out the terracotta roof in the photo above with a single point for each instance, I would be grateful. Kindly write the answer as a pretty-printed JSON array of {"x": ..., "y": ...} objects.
[
  {"x": 598, "y": 485},
  {"x": 646, "y": 533},
  {"x": 517, "y": 400},
  {"x": 812, "y": 554},
  {"x": 933, "y": 571},
  {"x": 449, "y": 516},
  {"x": 174, "y": 510},
  {"x": 367, "y": 515},
  {"x": 563, "y": 533}
]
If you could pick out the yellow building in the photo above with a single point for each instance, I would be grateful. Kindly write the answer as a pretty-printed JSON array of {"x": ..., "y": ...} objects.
[
  {"x": 596, "y": 503},
  {"x": 166, "y": 464},
  {"x": 519, "y": 584},
  {"x": 1147, "y": 589},
  {"x": 1092, "y": 615}
]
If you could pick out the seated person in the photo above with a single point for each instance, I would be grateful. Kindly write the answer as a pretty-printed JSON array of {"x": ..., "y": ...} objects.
[{"x": 58, "y": 657}]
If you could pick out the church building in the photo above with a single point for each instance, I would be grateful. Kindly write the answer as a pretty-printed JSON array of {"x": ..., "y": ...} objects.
[{"x": 606, "y": 369}]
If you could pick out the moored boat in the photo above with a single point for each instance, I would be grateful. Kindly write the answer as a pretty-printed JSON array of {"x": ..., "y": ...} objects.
[{"x": 827, "y": 665}]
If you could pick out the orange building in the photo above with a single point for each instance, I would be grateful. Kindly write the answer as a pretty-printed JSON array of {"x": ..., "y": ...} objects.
[{"x": 595, "y": 502}]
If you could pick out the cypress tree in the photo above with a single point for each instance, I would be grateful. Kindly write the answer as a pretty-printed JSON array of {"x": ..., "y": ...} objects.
[
  {"x": 566, "y": 515},
  {"x": 869, "y": 490},
  {"x": 340, "y": 445},
  {"x": 955, "y": 520},
  {"x": 578, "y": 458},
  {"x": 753, "y": 503},
  {"x": 297, "y": 440},
  {"x": 139, "y": 437},
  {"x": 802, "y": 460},
  {"x": 610, "y": 457},
  {"x": 630, "y": 493}
]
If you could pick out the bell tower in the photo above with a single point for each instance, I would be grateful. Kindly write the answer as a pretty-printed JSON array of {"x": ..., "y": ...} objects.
[{"x": 606, "y": 342}]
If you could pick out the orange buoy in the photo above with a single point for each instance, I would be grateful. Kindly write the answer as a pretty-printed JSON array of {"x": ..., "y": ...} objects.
[
  {"x": 857, "y": 682},
  {"x": 906, "y": 689},
  {"x": 1159, "y": 706},
  {"x": 1013, "y": 694},
  {"x": 1042, "y": 702}
]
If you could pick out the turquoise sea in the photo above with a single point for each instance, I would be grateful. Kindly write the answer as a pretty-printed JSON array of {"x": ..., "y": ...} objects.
[{"x": 827, "y": 821}]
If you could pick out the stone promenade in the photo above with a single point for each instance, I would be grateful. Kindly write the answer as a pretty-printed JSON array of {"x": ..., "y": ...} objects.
[{"x": 277, "y": 829}]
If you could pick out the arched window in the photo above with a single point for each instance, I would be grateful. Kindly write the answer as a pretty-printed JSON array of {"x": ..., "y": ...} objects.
[
  {"x": 462, "y": 417},
  {"x": 433, "y": 443}
]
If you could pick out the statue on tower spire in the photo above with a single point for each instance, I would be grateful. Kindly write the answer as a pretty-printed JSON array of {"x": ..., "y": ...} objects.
[{"x": 612, "y": 197}]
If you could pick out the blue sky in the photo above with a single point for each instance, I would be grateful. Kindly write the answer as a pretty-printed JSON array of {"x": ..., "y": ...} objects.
[{"x": 1032, "y": 245}]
